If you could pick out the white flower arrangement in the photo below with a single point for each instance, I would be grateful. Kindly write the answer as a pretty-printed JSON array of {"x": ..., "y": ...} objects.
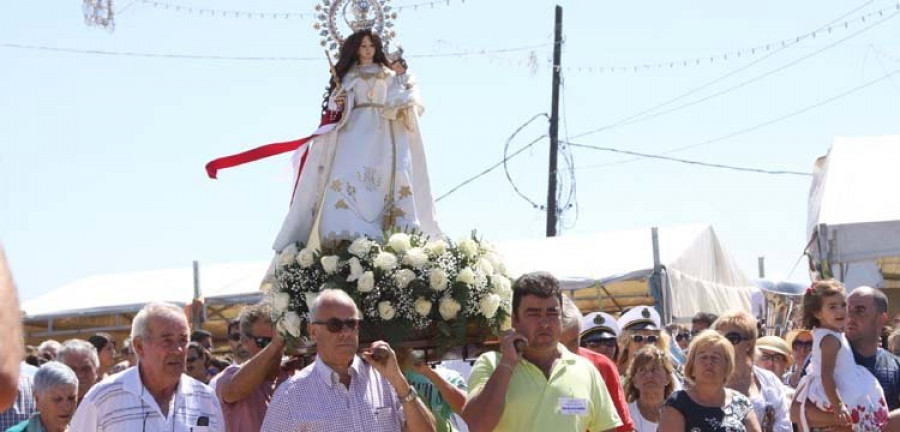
[{"x": 408, "y": 287}]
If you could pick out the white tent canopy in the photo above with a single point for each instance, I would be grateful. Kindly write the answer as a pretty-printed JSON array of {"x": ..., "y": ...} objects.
[
  {"x": 699, "y": 274},
  {"x": 854, "y": 209}
]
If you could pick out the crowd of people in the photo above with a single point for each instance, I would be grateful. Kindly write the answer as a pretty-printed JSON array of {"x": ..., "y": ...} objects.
[{"x": 556, "y": 370}]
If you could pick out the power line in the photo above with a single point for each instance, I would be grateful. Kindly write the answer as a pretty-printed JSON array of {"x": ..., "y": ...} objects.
[
  {"x": 687, "y": 161},
  {"x": 250, "y": 14}
]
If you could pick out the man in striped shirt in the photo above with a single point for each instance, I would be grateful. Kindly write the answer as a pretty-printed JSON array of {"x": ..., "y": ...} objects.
[{"x": 155, "y": 395}]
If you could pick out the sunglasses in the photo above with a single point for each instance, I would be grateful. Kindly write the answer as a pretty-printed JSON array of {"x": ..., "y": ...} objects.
[
  {"x": 736, "y": 338},
  {"x": 801, "y": 344},
  {"x": 641, "y": 338},
  {"x": 335, "y": 325},
  {"x": 234, "y": 337},
  {"x": 192, "y": 359},
  {"x": 608, "y": 343},
  {"x": 683, "y": 336},
  {"x": 261, "y": 342}
]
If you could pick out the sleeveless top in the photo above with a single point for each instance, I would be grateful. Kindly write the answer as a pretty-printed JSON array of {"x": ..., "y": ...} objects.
[{"x": 699, "y": 418}]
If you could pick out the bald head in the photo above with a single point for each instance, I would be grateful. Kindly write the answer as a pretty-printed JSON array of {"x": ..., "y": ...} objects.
[
  {"x": 331, "y": 297},
  {"x": 879, "y": 300}
]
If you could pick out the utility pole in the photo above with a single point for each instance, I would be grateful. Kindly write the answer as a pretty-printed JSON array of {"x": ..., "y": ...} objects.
[{"x": 552, "y": 205}]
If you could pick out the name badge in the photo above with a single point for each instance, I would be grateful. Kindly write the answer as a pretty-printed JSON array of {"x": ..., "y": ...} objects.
[{"x": 573, "y": 406}]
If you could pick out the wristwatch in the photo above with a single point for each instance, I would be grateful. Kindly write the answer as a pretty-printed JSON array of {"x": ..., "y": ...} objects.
[{"x": 410, "y": 396}]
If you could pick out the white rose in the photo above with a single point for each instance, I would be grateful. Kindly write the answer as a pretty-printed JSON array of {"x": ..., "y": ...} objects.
[
  {"x": 306, "y": 258},
  {"x": 489, "y": 305},
  {"x": 469, "y": 248},
  {"x": 422, "y": 306},
  {"x": 415, "y": 258},
  {"x": 360, "y": 247},
  {"x": 437, "y": 279},
  {"x": 366, "y": 282},
  {"x": 281, "y": 301},
  {"x": 310, "y": 298},
  {"x": 292, "y": 323},
  {"x": 466, "y": 276},
  {"x": 385, "y": 261},
  {"x": 386, "y": 310},
  {"x": 502, "y": 287},
  {"x": 484, "y": 266},
  {"x": 356, "y": 269},
  {"x": 435, "y": 247},
  {"x": 404, "y": 277},
  {"x": 449, "y": 308},
  {"x": 493, "y": 258},
  {"x": 399, "y": 242},
  {"x": 286, "y": 257},
  {"x": 329, "y": 263}
]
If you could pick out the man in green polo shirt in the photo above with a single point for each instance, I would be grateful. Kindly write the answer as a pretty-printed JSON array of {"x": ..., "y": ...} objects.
[{"x": 546, "y": 387}]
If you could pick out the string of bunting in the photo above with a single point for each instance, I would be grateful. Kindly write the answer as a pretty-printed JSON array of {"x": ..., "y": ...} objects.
[
  {"x": 247, "y": 14},
  {"x": 738, "y": 53}
]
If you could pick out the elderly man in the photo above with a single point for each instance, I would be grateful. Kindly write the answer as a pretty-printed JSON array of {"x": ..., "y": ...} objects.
[
  {"x": 868, "y": 313},
  {"x": 49, "y": 349},
  {"x": 155, "y": 395},
  {"x": 570, "y": 337},
  {"x": 245, "y": 390},
  {"x": 82, "y": 357},
  {"x": 534, "y": 383},
  {"x": 341, "y": 391}
]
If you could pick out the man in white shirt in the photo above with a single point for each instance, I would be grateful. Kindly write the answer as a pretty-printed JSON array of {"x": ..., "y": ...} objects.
[{"x": 155, "y": 395}]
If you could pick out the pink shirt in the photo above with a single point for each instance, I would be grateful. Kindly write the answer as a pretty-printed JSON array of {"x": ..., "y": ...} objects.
[{"x": 247, "y": 414}]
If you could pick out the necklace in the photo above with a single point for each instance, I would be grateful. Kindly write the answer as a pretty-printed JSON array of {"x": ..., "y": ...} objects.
[{"x": 370, "y": 88}]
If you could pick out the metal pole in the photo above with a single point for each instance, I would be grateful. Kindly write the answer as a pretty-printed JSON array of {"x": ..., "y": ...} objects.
[
  {"x": 761, "y": 262},
  {"x": 552, "y": 210},
  {"x": 195, "y": 315}
]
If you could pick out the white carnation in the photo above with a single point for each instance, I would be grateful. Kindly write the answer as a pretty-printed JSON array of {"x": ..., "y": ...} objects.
[
  {"x": 386, "y": 310},
  {"x": 469, "y": 248},
  {"x": 356, "y": 269},
  {"x": 330, "y": 263},
  {"x": 404, "y": 277},
  {"x": 489, "y": 305},
  {"x": 484, "y": 266},
  {"x": 437, "y": 279},
  {"x": 422, "y": 306},
  {"x": 306, "y": 258},
  {"x": 281, "y": 301},
  {"x": 399, "y": 242},
  {"x": 385, "y": 261},
  {"x": 416, "y": 258},
  {"x": 366, "y": 282},
  {"x": 292, "y": 323},
  {"x": 466, "y": 276},
  {"x": 436, "y": 247},
  {"x": 360, "y": 247},
  {"x": 449, "y": 308}
]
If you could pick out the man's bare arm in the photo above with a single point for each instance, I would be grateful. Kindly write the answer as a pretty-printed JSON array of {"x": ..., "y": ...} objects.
[{"x": 11, "y": 349}]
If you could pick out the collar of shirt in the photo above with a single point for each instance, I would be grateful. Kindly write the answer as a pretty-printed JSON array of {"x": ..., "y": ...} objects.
[
  {"x": 131, "y": 382},
  {"x": 332, "y": 378}
]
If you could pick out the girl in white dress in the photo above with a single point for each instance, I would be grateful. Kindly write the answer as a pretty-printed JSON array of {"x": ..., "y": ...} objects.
[{"x": 833, "y": 381}]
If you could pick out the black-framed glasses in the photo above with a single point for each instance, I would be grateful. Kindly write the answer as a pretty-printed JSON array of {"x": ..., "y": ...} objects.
[
  {"x": 234, "y": 337},
  {"x": 641, "y": 338},
  {"x": 336, "y": 325},
  {"x": 260, "y": 341},
  {"x": 772, "y": 357},
  {"x": 597, "y": 343},
  {"x": 736, "y": 338},
  {"x": 683, "y": 336},
  {"x": 801, "y": 344}
]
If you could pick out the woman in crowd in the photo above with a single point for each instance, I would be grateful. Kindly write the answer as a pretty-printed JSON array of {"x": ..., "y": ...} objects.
[
  {"x": 106, "y": 352},
  {"x": 641, "y": 327},
  {"x": 765, "y": 390},
  {"x": 55, "y": 397},
  {"x": 197, "y": 366},
  {"x": 801, "y": 345},
  {"x": 681, "y": 334},
  {"x": 707, "y": 405},
  {"x": 599, "y": 333},
  {"x": 773, "y": 354},
  {"x": 649, "y": 382}
]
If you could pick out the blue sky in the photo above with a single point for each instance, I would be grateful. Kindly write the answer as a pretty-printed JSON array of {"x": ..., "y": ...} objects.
[{"x": 101, "y": 157}]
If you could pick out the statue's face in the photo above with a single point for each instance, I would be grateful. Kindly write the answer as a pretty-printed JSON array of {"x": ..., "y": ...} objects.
[{"x": 366, "y": 52}]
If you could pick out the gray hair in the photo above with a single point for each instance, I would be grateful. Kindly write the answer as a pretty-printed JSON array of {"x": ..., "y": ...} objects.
[
  {"x": 571, "y": 316},
  {"x": 48, "y": 344},
  {"x": 78, "y": 346},
  {"x": 334, "y": 296},
  {"x": 52, "y": 375},
  {"x": 252, "y": 314},
  {"x": 140, "y": 324},
  {"x": 879, "y": 299}
]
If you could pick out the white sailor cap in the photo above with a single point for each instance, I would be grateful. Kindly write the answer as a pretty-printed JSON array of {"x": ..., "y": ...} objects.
[
  {"x": 640, "y": 318},
  {"x": 599, "y": 325}
]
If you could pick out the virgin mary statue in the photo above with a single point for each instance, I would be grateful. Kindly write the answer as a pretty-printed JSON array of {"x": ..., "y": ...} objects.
[{"x": 366, "y": 174}]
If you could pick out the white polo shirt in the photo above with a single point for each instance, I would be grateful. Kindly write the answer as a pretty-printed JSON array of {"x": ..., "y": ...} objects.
[{"x": 122, "y": 403}]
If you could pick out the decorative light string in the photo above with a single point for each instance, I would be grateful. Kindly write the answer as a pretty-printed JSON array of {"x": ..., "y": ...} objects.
[
  {"x": 247, "y": 14},
  {"x": 738, "y": 53}
]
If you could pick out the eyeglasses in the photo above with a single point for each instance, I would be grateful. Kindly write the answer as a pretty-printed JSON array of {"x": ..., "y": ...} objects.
[
  {"x": 234, "y": 337},
  {"x": 736, "y": 338},
  {"x": 192, "y": 359},
  {"x": 261, "y": 341},
  {"x": 801, "y": 344},
  {"x": 683, "y": 336},
  {"x": 641, "y": 338},
  {"x": 597, "y": 343},
  {"x": 772, "y": 358},
  {"x": 335, "y": 325}
]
